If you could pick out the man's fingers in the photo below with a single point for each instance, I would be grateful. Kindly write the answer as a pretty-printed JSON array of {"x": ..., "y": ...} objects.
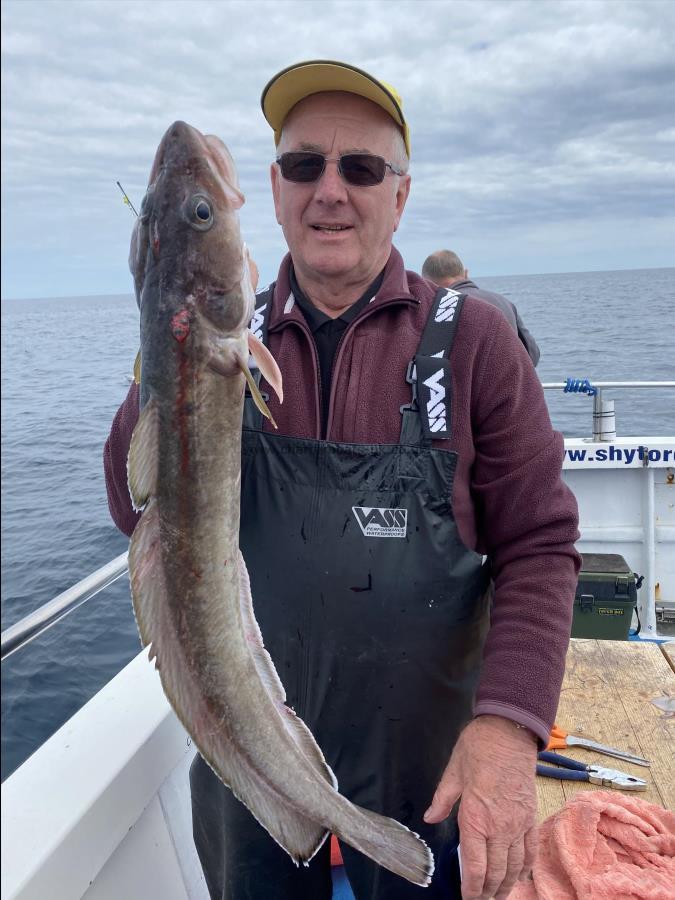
[
  {"x": 473, "y": 851},
  {"x": 514, "y": 867},
  {"x": 497, "y": 861},
  {"x": 531, "y": 847},
  {"x": 447, "y": 794}
]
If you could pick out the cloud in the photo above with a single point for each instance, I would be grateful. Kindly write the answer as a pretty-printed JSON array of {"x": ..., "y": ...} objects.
[{"x": 526, "y": 117}]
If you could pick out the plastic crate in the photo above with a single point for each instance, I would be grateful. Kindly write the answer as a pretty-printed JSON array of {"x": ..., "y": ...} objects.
[{"x": 605, "y": 598}]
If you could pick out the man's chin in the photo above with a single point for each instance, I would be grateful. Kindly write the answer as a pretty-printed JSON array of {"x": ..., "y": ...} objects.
[{"x": 332, "y": 265}]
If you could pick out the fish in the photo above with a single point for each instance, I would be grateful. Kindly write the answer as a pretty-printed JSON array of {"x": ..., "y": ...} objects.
[{"x": 191, "y": 591}]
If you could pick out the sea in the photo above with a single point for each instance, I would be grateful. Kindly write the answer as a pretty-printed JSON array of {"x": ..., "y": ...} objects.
[{"x": 66, "y": 365}]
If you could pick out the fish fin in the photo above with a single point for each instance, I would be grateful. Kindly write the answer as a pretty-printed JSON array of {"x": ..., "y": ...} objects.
[
  {"x": 143, "y": 456},
  {"x": 255, "y": 392},
  {"x": 253, "y": 272},
  {"x": 270, "y": 678},
  {"x": 267, "y": 364},
  {"x": 300, "y": 837},
  {"x": 389, "y": 844},
  {"x": 137, "y": 368},
  {"x": 148, "y": 587}
]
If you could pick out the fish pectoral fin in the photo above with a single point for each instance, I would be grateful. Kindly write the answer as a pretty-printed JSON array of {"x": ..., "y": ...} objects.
[
  {"x": 267, "y": 365},
  {"x": 255, "y": 392},
  {"x": 143, "y": 456},
  {"x": 137, "y": 368},
  {"x": 253, "y": 272}
]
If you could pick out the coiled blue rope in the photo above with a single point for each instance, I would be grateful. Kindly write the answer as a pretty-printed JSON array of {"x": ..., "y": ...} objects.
[{"x": 580, "y": 386}]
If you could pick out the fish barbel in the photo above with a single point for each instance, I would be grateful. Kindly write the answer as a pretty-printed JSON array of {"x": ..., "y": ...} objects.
[{"x": 190, "y": 588}]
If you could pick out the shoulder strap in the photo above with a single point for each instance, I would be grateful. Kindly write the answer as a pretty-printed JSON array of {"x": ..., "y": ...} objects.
[
  {"x": 427, "y": 417},
  {"x": 261, "y": 315},
  {"x": 253, "y": 418}
]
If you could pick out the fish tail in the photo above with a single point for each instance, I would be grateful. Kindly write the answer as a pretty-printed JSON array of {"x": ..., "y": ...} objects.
[{"x": 389, "y": 844}]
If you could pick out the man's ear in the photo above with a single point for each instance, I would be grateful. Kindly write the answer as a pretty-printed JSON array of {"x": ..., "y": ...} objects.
[
  {"x": 402, "y": 192},
  {"x": 275, "y": 177}
]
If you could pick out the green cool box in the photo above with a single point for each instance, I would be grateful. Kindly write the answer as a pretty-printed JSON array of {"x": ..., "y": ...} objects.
[{"x": 605, "y": 599}]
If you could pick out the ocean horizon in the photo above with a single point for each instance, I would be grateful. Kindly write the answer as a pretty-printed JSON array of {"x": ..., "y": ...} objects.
[{"x": 476, "y": 278}]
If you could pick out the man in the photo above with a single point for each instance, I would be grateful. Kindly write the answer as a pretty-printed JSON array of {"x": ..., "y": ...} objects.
[
  {"x": 446, "y": 269},
  {"x": 414, "y": 438}
]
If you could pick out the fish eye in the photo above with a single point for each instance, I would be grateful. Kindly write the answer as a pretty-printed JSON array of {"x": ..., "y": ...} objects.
[
  {"x": 200, "y": 213},
  {"x": 203, "y": 211}
]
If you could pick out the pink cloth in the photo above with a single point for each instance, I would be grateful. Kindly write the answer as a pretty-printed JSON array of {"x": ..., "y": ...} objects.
[{"x": 604, "y": 845}]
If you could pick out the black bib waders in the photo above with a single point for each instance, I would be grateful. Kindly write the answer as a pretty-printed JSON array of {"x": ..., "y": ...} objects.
[{"x": 375, "y": 615}]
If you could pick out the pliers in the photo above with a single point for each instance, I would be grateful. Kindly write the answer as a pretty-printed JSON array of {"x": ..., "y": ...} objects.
[
  {"x": 561, "y": 739},
  {"x": 573, "y": 770}
]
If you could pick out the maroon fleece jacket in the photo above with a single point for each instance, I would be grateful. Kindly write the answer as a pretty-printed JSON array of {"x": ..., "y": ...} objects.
[{"x": 509, "y": 499}]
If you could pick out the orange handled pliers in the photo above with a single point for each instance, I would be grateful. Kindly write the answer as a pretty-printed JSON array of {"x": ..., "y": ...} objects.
[{"x": 560, "y": 739}]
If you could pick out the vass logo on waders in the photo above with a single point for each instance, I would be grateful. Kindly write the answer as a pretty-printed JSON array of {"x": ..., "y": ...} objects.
[
  {"x": 257, "y": 322},
  {"x": 447, "y": 306},
  {"x": 436, "y": 401},
  {"x": 378, "y": 522}
]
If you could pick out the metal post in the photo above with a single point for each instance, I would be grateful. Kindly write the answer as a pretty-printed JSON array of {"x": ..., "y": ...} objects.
[
  {"x": 647, "y": 594},
  {"x": 604, "y": 419}
]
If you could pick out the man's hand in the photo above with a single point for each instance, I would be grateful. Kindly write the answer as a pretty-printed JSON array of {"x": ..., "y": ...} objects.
[{"x": 493, "y": 769}]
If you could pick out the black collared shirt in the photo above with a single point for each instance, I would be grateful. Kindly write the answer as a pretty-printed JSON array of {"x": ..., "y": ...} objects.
[{"x": 327, "y": 333}]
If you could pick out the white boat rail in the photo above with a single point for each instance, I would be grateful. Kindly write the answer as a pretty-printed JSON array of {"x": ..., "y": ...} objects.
[
  {"x": 48, "y": 614},
  {"x": 561, "y": 385},
  {"x": 604, "y": 419}
]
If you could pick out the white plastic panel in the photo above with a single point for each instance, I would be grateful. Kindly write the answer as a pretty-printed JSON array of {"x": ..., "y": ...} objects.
[
  {"x": 143, "y": 866},
  {"x": 174, "y": 796},
  {"x": 67, "y": 809}
]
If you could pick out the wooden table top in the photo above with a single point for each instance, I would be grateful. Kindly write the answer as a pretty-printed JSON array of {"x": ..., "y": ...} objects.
[{"x": 606, "y": 695}]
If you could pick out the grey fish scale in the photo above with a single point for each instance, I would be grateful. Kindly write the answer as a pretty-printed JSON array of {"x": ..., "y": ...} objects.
[{"x": 190, "y": 588}]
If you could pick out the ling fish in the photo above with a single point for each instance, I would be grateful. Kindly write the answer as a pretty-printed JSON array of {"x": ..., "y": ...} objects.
[{"x": 190, "y": 588}]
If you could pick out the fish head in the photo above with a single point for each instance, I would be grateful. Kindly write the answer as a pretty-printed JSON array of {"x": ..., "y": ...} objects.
[
  {"x": 192, "y": 273},
  {"x": 186, "y": 245}
]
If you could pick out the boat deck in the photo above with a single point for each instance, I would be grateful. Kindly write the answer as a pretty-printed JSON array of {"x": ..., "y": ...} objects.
[{"x": 606, "y": 695}]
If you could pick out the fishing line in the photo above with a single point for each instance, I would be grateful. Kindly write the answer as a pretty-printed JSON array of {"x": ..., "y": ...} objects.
[{"x": 126, "y": 198}]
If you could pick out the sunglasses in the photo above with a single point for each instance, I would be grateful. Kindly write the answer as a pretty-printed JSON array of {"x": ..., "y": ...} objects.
[{"x": 360, "y": 169}]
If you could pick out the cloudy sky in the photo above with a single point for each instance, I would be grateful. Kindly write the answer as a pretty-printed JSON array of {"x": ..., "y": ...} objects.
[{"x": 543, "y": 132}]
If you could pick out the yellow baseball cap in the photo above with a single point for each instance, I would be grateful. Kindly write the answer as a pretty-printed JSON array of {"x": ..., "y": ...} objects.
[{"x": 298, "y": 81}]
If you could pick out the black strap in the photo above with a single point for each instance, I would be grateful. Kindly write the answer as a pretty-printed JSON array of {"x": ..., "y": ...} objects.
[
  {"x": 253, "y": 418},
  {"x": 261, "y": 316},
  {"x": 427, "y": 416}
]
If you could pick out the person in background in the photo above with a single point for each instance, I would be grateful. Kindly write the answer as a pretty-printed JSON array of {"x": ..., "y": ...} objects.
[
  {"x": 447, "y": 270},
  {"x": 413, "y": 442}
]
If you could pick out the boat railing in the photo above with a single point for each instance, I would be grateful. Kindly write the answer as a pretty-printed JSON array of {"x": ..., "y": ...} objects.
[
  {"x": 604, "y": 417},
  {"x": 37, "y": 622}
]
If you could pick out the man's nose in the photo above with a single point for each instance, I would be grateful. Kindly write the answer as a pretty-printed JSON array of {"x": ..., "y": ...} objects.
[{"x": 331, "y": 188}]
